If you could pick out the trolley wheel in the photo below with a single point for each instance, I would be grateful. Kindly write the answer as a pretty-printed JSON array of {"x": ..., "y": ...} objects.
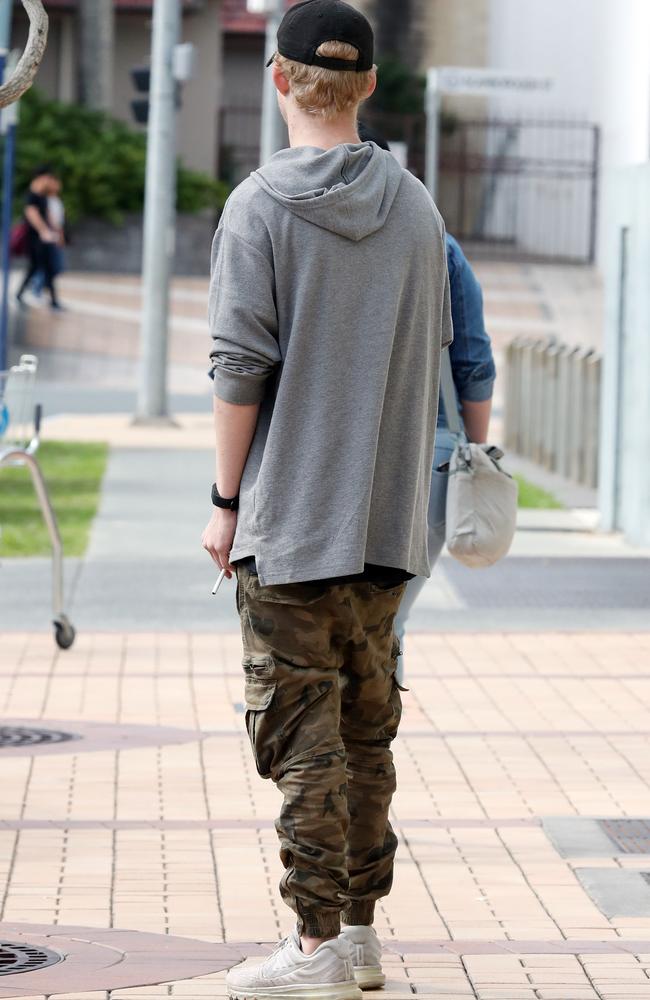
[{"x": 64, "y": 632}]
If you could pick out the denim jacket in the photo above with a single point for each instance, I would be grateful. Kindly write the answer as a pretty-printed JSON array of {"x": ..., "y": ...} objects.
[{"x": 471, "y": 352}]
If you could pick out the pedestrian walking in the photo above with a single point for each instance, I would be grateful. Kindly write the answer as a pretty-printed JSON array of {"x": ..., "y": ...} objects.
[
  {"x": 329, "y": 306},
  {"x": 41, "y": 237},
  {"x": 474, "y": 374},
  {"x": 56, "y": 221}
]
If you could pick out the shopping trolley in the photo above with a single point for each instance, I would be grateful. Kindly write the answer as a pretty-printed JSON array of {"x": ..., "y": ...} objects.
[{"x": 20, "y": 422}]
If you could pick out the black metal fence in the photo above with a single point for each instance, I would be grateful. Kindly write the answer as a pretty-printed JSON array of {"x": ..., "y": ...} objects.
[
  {"x": 522, "y": 189},
  {"x": 508, "y": 188}
]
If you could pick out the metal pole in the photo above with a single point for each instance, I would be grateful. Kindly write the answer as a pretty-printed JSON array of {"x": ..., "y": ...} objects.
[
  {"x": 21, "y": 457},
  {"x": 6, "y": 7},
  {"x": 96, "y": 51},
  {"x": 273, "y": 136},
  {"x": 595, "y": 196},
  {"x": 7, "y": 183},
  {"x": 7, "y": 200},
  {"x": 433, "y": 132},
  {"x": 159, "y": 213}
]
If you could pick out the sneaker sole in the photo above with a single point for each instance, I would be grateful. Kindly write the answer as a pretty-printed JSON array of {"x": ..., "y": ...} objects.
[
  {"x": 328, "y": 991},
  {"x": 369, "y": 977}
]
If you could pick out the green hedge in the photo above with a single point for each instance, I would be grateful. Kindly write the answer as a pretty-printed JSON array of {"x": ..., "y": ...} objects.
[
  {"x": 101, "y": 162},
  {"x": 400, "y": 89}
]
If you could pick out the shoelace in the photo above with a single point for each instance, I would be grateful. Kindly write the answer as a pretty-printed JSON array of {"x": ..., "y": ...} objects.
[{"x": 276, "y": 951}]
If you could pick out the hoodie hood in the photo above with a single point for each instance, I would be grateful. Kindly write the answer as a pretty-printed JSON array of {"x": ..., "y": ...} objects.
[{"x": 349, "y": 189}]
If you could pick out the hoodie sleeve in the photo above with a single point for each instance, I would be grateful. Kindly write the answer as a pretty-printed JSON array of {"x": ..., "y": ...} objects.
[{"x": 243, "y": 319}]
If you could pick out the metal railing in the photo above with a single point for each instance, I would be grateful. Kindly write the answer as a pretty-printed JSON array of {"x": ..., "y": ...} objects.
[
  {"x": 552, "y": 412},
  {"x": 20, "y": 426}
]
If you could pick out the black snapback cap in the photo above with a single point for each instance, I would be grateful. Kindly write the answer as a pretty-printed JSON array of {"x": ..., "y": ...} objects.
[{"x": 307, "y": 25}]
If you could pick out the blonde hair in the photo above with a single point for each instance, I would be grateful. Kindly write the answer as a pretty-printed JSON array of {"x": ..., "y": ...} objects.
[{"x": 326, "y": 92}]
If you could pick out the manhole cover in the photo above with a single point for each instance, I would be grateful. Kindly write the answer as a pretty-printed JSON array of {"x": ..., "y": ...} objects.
[
  {"x": 22, "y": 736},
  {"x": 15, "y": 958},
  {"x": 631, "y": 835},
  {"x": 90, "y": 959}
]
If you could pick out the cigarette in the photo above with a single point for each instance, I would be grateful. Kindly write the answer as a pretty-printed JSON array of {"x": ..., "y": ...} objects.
[{"x": 219, "y": 582}]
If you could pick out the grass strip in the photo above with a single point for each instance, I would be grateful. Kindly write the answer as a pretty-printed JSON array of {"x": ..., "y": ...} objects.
[{"x": 73, "y": 474}]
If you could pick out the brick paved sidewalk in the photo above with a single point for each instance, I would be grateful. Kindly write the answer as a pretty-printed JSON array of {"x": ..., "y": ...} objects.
[{"x": 512, "y": 747}]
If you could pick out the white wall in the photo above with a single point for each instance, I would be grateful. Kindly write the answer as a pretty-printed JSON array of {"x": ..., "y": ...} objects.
[
  {"x": 598, "y": 52},
  {"x": 555, "y": 38},
  {"x": 622, "y": 91}
]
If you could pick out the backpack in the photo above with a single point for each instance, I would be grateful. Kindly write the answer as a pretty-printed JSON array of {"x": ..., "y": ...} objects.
[{"x": 18, "y": 239}]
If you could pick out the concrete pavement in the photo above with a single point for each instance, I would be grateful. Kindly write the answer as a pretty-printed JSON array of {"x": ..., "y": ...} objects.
[{"x": 144, "y": 568}]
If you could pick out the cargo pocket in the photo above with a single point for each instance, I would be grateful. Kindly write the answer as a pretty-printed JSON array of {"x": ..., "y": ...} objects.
[
  {"x": 395, "y": 655},
  {"x": 259, "y": 691},
  {"x": 393, "y": 712},
  {"x": 291, "y": 594}
]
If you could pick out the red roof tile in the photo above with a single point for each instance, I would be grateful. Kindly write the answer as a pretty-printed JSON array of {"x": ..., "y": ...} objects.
[{"x": 235, "y": 18}]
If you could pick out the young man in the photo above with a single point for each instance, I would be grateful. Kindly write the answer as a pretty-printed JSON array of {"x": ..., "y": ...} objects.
[{"x": 329, "y": 307}]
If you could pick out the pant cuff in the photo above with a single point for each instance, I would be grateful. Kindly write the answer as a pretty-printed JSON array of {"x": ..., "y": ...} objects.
[
  {"x": 319, "y": 924},
  {"x": 358, "y": 913}
]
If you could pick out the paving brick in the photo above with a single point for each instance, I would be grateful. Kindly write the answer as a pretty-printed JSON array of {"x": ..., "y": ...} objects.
[{"x": 147, "y": 850}]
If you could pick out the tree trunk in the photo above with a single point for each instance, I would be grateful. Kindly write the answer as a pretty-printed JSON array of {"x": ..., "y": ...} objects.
[{"x": 97, "y": 34}]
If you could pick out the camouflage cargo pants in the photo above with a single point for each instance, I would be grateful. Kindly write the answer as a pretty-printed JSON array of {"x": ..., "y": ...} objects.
[{"x": 322, "y": 707}]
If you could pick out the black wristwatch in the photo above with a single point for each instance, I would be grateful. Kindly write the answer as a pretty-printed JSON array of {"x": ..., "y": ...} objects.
[{"x": 218, "y": 501}]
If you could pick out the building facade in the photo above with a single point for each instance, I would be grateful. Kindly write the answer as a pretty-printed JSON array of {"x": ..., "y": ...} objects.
[
  {"x": 198, "y": 120},
  {"x": 598, "y": 54},
  {"x": 219, "y": 123}
]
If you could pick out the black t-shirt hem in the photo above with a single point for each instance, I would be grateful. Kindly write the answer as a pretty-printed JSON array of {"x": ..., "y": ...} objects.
[{"x": 381, "y": 575}]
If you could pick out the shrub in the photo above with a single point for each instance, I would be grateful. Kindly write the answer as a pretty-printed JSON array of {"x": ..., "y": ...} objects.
[
  {"x": 101, "y": 162},
  {"x": 400, "y": 90}
]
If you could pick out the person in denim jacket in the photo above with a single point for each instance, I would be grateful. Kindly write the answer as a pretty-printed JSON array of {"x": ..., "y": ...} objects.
[{"x": 474, "y": 374}]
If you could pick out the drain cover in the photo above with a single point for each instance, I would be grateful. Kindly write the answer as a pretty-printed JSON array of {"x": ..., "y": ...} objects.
[
  {"x": 21, "y": 736},
  {"x": 15, "y": 958},
  {"x": 631, "y": 835}
]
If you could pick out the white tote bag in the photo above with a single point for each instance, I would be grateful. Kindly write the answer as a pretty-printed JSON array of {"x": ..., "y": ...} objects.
[{"x": 481, "y": 510}]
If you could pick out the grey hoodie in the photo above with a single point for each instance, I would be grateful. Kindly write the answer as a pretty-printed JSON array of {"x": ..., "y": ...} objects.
[{"x": 329, "y": 305}]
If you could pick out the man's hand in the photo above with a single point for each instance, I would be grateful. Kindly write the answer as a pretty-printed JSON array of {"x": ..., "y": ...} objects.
[
  {"x": 234, "y": 429},
  {"x": 218, "y": 538}
]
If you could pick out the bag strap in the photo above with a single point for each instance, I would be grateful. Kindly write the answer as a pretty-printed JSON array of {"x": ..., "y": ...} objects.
[{"x": 448, "y": 390}]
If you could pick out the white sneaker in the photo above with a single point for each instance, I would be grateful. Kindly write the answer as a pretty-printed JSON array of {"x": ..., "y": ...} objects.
[
  {"x": 327, "y": 974},
  {"x": 366, "y": 956}
]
